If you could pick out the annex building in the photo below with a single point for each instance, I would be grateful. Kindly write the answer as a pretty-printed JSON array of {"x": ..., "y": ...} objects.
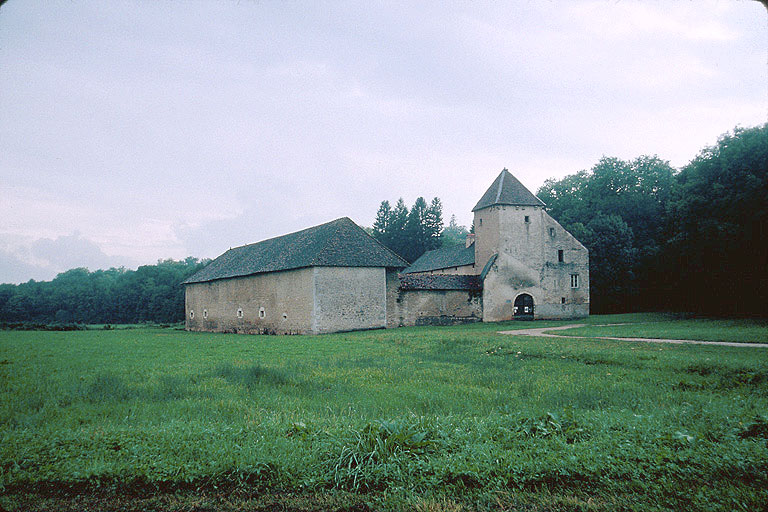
[{"x": 519, "y": 264}]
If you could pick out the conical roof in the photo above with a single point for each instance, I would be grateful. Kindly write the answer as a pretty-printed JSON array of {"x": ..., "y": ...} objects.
[
  {"x": 339, "y": 243},
  {"x": 506, "y": 189}
]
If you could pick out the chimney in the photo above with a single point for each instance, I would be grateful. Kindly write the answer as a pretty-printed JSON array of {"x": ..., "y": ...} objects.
[{"x": 470, "y": 239}]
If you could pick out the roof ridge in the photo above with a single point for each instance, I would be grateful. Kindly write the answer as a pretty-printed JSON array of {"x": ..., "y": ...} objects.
[
  {"x": 383, "y": 246},
  {"x": 287, "y": 234},
  {"x": 501, "y": 184},
  {"x": 330, "y": 239}
]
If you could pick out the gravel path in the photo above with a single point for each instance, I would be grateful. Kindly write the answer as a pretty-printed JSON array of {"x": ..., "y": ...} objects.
[{"x": 545, "y": 332}]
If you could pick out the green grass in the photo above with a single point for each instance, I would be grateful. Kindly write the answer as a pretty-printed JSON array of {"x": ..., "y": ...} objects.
[
  {"x": 417, "y": 418},
  {"x": 667, "y": 326}
]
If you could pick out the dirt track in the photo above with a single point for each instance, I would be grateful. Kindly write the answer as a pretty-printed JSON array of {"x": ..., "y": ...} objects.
[{"x": 545, "y": 332}]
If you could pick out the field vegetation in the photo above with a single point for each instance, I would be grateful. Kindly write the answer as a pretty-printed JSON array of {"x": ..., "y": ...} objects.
[{"x": 449, "y": 418}]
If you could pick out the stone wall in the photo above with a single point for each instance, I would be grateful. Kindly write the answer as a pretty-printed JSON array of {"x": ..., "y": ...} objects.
[
  {"x": 271, "y": 303},
  {"x": 349, "y": 298},
  {"x": 528, "y": 262},
  {"x": 435, "y": 307}
]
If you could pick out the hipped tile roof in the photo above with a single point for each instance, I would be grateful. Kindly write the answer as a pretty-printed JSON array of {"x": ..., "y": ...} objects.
[
  {"x": 339, "y": 243},
  {"x": 506, "y": 189}
]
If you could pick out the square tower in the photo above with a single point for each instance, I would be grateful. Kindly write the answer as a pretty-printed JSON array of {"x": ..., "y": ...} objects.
[{"x": 531, "y": 267}]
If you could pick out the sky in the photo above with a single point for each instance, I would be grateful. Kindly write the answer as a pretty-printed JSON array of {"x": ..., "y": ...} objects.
[{"x": 134, "y": 131}]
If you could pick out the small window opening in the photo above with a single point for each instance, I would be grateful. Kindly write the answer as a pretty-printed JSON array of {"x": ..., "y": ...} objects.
[
  {"x": 562, "y": 300},
  {"x": 205, "y": 313},
  {"x": 560, "y": 255},
  {"x": 191, "y": 314},
  {"x": 240, "y": 313},
  {"x": 285, "y": 316},
  {"x": 262, "y": 313},
  {"x": 527, "y": 218},
  {"x": 481, "y": 222},
  {"x": 552, "y": 232},
  {"x": 574, "y": 280}
]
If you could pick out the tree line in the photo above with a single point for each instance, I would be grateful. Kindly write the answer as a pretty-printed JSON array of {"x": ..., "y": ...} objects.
[
  {"x": 660, "y": 239},
  {"x": 693, "y": 240},
  {"x": 152, "y": 293}
]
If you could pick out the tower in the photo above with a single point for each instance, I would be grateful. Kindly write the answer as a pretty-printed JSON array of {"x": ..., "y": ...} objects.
[{"x": 531, "y": 267}]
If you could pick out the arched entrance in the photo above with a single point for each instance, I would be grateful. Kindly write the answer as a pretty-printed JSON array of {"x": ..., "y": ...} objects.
[{"x": 523, "y": 309}]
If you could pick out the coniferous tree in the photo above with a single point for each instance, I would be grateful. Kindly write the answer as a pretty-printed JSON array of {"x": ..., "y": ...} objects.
[
  {"x": 381, "y": 226},
  {"x": 415, "y": 231},
  {"x": 433, "y": 224}
]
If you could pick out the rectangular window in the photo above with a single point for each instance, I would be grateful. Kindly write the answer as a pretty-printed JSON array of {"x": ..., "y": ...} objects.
[
  {"x": 527, "y": 218},
  {"x": 560, "y": 256},
  {"x": 552, "y": 232},
  {"x": 562, "y": 300},
  {"x": 574, "y": 280}
]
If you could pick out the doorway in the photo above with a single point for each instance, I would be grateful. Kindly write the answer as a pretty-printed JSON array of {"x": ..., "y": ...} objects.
[{"x": 523, "y": 309}]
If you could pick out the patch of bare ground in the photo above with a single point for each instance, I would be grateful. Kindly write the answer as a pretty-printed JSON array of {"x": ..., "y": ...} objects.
[{"x": 187, "y": 500}]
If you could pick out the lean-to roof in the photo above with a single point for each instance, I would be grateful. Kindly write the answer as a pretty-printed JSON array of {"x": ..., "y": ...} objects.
[
  {"x": 445, "y": 257},
  {"x": 440, "y": 282}
]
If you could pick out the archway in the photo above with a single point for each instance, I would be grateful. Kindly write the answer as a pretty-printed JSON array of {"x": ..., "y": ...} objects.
[{"x": 523, "y": 309}]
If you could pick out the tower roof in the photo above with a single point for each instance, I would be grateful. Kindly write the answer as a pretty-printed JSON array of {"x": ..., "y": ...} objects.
[{"x": 506, "y": 189}]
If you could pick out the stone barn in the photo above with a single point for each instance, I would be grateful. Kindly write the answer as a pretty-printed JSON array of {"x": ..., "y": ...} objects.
[
  {"x": 519, "y": 264},
  {"x": 327, "y": 278}
]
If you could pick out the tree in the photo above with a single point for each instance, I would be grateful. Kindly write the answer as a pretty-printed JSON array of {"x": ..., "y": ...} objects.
[
  {"x": 454, "y": 234},
  {"x": 410, "y": 233},
  {"x": 433, "y": 224},
  {"x": 622, "y": 202},
  {"x": 381, "y": 226},
  {"x": 718, "y": 227}
]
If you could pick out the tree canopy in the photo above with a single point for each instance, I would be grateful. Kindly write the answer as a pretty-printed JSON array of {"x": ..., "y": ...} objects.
[
  {"x": 694, "y": 240},
  {"x": 410, "y": 233},
  {"x": 152, "y": 293}
]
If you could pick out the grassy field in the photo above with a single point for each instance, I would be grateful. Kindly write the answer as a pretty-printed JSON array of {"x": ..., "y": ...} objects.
[
  {"x": 450, "y": 418},
  {"x": 669, "y": 327}
]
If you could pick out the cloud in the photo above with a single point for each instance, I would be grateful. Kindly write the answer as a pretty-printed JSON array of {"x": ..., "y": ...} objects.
[
  {"x": 42, "y": 259},
  {"x": 71, "y": 251}
]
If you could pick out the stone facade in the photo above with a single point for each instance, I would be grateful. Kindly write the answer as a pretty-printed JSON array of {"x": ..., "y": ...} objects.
[
  {"x": 436, "y": 307},
  {"x": 519, "y": 263},
  {"x": 349, "y": 299},
  {"x": 304, "y": 301},
  {"x": 529, "y": 265},
  {"x": 528, "y": 243},
  {"x": 269, "y": 303}
]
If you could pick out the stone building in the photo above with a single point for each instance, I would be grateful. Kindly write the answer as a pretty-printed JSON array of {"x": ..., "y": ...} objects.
[
  {"x": 519, "y": 264},
  {"x": 327, "y": 278},
  {"x": 528, "y": 265}
]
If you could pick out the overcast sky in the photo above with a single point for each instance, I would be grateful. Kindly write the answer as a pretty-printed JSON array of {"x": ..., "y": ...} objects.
[{"x": 142, "y": 130}]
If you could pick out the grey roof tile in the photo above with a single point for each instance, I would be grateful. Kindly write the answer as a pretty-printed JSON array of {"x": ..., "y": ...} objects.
[
  {"x": 339, "y": 243},
  {"x": 440, "y": 282},
  {"x": 506, "y": 189},
  {"x": 445, "y": 257}
]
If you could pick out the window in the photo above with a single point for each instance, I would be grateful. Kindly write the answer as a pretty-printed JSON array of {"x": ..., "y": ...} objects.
[
  {"x": 574, "y": 280},
  {"x": 285, "y": 316},
  {"x": 481, "y": 221},
  {"x": 191, "y": 314},
  {"x": 262, "y": 313},
  {"x": 205, "y": 313},
  {"x": 552, "y": 232},
  {"x": 239, "y": 312},
  {"x": 562, "y": 300},
  {"x": 527, "y": 218},
  {"x": 560, "y": 256}
]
